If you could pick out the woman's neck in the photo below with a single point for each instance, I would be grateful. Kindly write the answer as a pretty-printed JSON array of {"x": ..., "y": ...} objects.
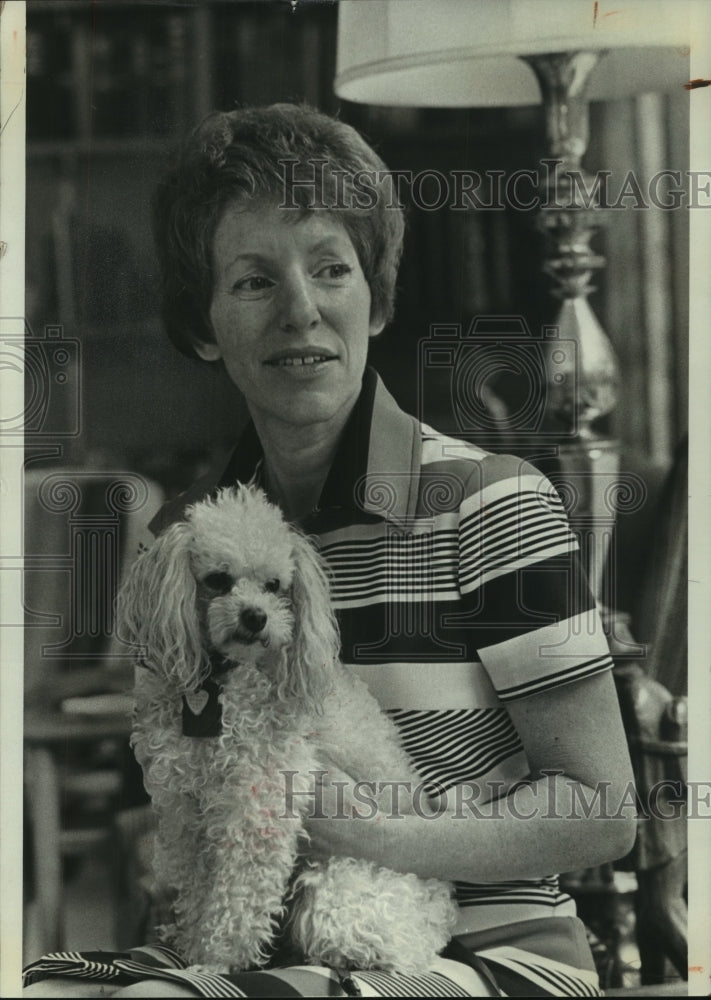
[{"x": 296, "y": 463}]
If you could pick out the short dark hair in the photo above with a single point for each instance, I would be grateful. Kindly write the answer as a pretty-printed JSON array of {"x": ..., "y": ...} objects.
[{"x": 306, "y": 159}]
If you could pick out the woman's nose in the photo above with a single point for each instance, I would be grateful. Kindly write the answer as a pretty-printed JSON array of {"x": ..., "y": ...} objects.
[{"x": 298, "y": 305}]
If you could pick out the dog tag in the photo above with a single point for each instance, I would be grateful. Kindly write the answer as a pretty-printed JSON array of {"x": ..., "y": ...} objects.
[
  {"x": 197, "y": 700},
  {"x": 202, "y": 712}
]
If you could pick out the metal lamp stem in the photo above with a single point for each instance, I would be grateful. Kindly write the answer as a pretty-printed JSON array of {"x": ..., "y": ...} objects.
[{"x": 569, "y": 217}]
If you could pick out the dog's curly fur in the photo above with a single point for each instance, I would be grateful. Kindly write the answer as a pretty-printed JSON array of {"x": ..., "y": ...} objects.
[{"x": 234, "y": 594}]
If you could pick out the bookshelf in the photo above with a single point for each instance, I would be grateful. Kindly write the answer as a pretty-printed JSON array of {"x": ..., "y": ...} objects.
[
  {"x": 104, "y": 74},
  {"x": 112, "y": 86},
  {"x": 108, "y": 75}
]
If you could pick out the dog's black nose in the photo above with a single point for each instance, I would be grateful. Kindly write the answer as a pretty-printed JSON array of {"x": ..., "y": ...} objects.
[{"x": 252, "y": 619}]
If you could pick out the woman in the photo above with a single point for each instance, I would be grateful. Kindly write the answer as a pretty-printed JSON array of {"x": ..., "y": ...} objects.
[{"x": 455, "y": 576}]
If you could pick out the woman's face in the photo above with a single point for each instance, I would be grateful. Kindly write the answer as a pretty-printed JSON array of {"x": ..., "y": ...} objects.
[{"x": 290, "y": 313}]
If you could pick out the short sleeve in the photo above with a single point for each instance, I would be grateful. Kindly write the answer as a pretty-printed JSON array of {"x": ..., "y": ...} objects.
[{"x": 520, "y": 572}]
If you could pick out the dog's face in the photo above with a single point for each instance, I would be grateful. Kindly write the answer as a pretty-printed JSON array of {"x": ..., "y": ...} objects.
[
  {"x": 243, "y": 563},
  {"x": 232, "y": 584}
]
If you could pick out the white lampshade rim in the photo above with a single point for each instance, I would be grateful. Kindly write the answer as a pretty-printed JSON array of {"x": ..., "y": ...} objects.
[
  {"x": 394, "y": 65},
  {"x": 458, "y": 53}
]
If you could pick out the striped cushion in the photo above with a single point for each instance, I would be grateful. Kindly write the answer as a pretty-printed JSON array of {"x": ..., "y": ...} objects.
[{"x": 517, "y": 972}]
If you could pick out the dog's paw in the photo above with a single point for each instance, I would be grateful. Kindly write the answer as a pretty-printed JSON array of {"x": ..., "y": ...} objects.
[{"x": 353, "y": 914}]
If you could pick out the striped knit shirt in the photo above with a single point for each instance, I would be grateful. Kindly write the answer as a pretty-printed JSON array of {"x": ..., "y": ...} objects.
[{"x": 458, "y": 589}]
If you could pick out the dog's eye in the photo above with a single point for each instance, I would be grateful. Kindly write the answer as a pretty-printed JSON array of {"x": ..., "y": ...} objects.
[
  {"x": 272, "y": 585},
  {"x": 221, "y": 583}
]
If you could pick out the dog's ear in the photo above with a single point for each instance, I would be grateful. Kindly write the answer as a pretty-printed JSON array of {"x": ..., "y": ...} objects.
[
  {"x": 156, "y": 610},
  {"x": 316, "y": 644}
]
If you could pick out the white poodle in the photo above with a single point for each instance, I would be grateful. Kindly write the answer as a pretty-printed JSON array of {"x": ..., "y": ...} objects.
[{"x": 238, "y": 645}]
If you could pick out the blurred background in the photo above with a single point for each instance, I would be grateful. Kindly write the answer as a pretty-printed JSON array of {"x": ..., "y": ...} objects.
[{"x": 111, "y": 88}]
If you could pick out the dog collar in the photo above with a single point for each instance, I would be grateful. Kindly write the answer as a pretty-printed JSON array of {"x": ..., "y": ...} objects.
[{"x": 202, "y": 711}]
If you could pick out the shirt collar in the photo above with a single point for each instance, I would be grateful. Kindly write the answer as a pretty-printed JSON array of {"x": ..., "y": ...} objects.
[{"x": 377, "y": 465}]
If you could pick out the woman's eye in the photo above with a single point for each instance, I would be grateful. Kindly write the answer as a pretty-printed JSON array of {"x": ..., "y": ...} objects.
[
  {"x": 335, "y": 271},
  {"x": 221, "y": 583},
  {"x": 272, "y": 586},
  {"x": 254, "y": 283}
]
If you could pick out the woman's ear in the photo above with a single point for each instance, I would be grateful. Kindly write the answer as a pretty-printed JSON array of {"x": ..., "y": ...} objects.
[
  {"x": 208, "y": 350},
  {"x": 376, "y": 326}
]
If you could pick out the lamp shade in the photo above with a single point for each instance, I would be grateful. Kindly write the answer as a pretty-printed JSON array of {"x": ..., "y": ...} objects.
[{"x": 464, "y": 53}]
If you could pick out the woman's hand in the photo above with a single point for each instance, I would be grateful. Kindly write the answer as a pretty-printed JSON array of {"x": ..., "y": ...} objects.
[
  {"x": 348, "y": 837},
  {"x": 344, "y": 816},
  {"x": 356, "y": 818},
  {"x": 576, "y": 810},
  {"x": 334, "y": 811}
]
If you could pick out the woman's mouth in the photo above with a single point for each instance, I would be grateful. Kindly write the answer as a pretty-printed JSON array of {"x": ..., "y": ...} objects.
[
  {"x": 310, "y": 359},
  {"x": 305, "y": 361}
]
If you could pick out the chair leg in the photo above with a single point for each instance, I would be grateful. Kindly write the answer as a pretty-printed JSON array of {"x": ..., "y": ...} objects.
[
  {"x": 44, "y": 807},
  {"x": 662, "y": 919}
]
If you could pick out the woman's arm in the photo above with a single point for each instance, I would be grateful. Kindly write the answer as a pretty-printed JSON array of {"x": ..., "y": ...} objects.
[{"x": 581, "y": 816}]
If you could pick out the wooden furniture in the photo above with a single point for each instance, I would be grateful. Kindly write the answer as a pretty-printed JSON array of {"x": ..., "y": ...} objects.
[
  {"x": 655, "y": 712},
  {"x": 54, "y": 782},
  {"x": 81, "y": 528}
]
